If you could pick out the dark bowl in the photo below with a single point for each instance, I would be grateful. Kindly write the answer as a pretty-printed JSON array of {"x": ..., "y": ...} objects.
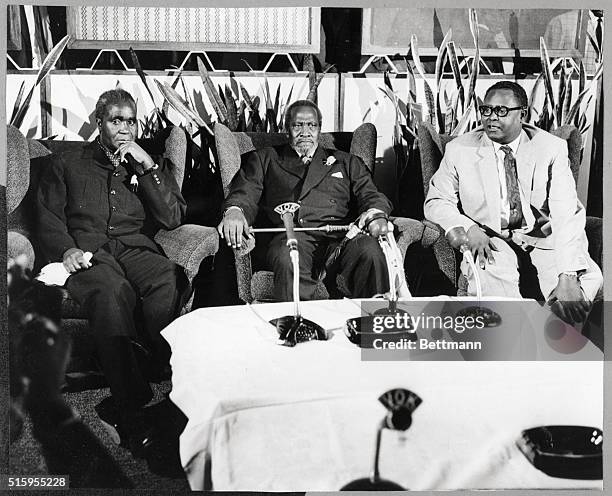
[
  {"x": 566, "y": 451},
  {"x": 359, "y": 331}
]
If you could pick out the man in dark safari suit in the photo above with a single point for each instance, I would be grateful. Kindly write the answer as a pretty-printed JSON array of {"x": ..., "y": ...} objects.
[
  {"x": 109, "y": 198},
  {"x": 331, "y": 187}
]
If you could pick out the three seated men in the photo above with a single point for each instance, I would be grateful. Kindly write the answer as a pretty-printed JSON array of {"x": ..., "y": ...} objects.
[{"x": 507, "y": 184}]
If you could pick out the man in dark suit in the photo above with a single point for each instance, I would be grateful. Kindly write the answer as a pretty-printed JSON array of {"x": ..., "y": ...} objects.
[
  {"x": 331, "y": 187},
  {"x": 109, "y": 198}
]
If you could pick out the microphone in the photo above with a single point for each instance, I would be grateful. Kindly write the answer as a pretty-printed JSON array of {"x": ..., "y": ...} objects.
[
  {"x": 400, "y": 404},
  {"x": 293, "y": 329}
]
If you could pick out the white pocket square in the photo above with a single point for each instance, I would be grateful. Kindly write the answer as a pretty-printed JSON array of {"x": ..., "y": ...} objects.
[{"x": 338, "y": 175}]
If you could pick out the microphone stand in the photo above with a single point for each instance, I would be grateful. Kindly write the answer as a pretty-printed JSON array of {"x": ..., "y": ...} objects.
[
  {"x": 398, "y": 418},
  {"x": 398, "y": 287},
  {"x": 457, "y": 238},
  {"x": 294, "y": 328}
]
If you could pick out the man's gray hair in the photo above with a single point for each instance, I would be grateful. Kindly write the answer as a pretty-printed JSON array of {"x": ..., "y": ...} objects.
[{"x": 117, "y": 97}]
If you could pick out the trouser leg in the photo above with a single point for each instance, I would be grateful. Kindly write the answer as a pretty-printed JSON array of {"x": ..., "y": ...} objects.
[
  {"x": 279, "y": 261},
  {"x": 161, "y": 284},
  {"x": 363, "y": 267},
  {"x": 110, "y": 302}
]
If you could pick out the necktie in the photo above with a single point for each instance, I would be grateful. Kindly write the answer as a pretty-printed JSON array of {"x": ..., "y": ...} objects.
[
  {"x": 306, "y": 159},
  {"x": 514, "y": 195}
]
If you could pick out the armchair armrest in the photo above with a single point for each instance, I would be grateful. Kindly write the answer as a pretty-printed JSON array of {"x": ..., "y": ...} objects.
[
  {"x": 17, "y": 244},
  {"x": 414, "y": 231},
  {"x": 244, "y": 270},
  {"x": 188, "y": 245},
  {"x": 444, "y": 253}
]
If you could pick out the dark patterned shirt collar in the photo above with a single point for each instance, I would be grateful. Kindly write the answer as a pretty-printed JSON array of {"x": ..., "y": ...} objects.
[{"x": 114, "y": 159}]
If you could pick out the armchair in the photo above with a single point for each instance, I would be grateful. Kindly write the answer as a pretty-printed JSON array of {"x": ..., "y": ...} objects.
[
  {"x": 432, "y": 146},
  {"x": 187, "y": 245},
  {"x": 257, "y": 286}
]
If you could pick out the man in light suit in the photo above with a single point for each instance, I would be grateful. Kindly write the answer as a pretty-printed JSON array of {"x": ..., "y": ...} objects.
[
  {"x": 331, "y": 187},
  {"x": 509, "y": 185}
]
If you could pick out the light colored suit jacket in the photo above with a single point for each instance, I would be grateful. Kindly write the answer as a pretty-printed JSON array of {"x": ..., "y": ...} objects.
[{"x": 465, "y": 190}]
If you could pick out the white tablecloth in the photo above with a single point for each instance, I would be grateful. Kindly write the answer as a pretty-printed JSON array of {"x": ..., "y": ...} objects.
[{"x": 265, "y": 417}]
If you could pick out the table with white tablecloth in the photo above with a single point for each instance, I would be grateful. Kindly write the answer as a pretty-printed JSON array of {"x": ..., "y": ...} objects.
[{"x": 264, "y": 417}]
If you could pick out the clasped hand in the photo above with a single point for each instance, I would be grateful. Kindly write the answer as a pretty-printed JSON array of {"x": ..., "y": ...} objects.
[{"x": 74, "y": 260}]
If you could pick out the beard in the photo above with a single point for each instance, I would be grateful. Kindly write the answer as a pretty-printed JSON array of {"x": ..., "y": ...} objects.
[{"x": 304, "y": 147}]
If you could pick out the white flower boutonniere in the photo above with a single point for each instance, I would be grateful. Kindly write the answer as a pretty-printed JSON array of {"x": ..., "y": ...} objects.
[{"x": 331, "y": 160}]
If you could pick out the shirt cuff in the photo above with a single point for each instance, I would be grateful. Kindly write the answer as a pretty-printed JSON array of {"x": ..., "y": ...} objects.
[{"x": 232, "y": 207}]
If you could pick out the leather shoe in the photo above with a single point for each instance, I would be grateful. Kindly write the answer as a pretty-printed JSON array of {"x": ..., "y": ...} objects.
[{"x": 138, "y": 437}]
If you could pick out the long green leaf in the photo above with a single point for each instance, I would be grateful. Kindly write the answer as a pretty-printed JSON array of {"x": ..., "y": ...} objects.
[
  {"x": 581, "y": 77},
  {"x": 441, "y": 59},
  {"x": 463, "y": 122},
  {"x": 51, "y": 59},
  {"x": 23, "y": 109},
  {"x": 46, "y": 67},
  {"x": 17, "y": 102},
  {"x": 141, "y": 74},
  {"x": 473, "y": 21},
  {"x": 181, "y": 106},
  {"x": 412, "y": 91},
  {"x": 574, "y": 112},
  {"x": 474, "y": 76},
  {"x": 454, "y": 63},
  {"x": 561, "y": 91},
  {"x": 429, "y": 97},
  {"x": 232, "y": 110},
  {"x": 211, "y": 92},
  {"x": 567, "y": 102},
  {"x": 531, "y": 108},
  {"x": 548, "y": 78},
  {"x": 173, "y": 86},
  {"x": 277, "y": 100},
  {"x": 439, "y": 71}
]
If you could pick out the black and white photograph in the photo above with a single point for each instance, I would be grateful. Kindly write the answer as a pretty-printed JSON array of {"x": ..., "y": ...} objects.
[{"x": 292, "y": 248}]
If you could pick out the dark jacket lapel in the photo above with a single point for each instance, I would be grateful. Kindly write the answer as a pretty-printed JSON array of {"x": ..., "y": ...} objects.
[
  {"x": 289, "y": 161},
  {"x": 317, "y": 170}
]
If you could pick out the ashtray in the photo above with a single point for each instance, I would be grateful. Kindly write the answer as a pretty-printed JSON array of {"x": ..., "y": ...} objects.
[
  {"x": 488, "y": 316},
  {"x": 566, "y": 451},
  {"x": 364, "y": 331}
]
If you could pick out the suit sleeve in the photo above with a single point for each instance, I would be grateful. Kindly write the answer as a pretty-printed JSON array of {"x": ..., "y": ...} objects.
[
  {"x": 246, "y": 187},
  {"x": 51, "y": 218},
  {"x": 162, "y": 196},
  {"x": 364, "y": 190},
  {"x": 442, "y": 202},
  {"x": 567, "y": 215}
]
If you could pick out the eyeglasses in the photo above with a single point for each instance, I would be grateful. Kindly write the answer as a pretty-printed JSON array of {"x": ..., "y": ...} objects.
[
  {"x": 500, "y": 110},
  {"x": 299, "y": 126}
]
